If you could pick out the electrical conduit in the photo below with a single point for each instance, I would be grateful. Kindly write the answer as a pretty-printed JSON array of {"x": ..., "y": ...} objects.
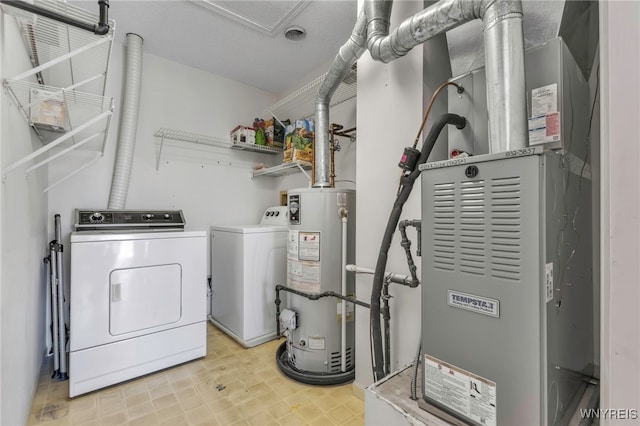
[{"x": 128, "y": 123}]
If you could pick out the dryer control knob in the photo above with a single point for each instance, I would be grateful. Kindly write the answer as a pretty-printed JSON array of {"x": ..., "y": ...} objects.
[{"x": 97, "y": 217}]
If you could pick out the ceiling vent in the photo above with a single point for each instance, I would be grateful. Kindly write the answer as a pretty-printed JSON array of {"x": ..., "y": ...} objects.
[
  {"x": 267, "y": 17},
  {"x": 295, "y": 33}
]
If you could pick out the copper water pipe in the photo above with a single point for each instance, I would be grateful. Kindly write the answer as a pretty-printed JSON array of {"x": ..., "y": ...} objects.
[{"x": 332, "y": 150}]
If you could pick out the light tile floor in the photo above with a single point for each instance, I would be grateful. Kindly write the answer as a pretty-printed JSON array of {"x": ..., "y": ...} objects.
[{"x": 255, "y": 393}]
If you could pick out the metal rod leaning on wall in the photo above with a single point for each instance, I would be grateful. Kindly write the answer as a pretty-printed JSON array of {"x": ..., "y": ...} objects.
[
  {"x": 101, "y": 28},
  {"x": 310, "y": 296},
  {"x": 62, "y": 324}
]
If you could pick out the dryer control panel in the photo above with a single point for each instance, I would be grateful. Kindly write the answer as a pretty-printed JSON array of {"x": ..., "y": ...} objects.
[
  {"x": 92, "y": 220},
  {"x": 275, "y": 216}
]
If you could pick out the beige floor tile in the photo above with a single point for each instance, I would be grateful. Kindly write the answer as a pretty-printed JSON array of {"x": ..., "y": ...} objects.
[
  {"x": 326, "y": 403},
  {"x": 261, "y": 418},
  {"x": 154, "y": 381},
  {"x": 186, "y": 393},
  {"x": 356, "y": 421},
  {"x": 292, "y": 419},
  {"x": 84, "y": 403},
  {"x": 228, "y": 416},
  {"x": 354, "y": 404},
  {"x": 219, "y": 404},
  {"x": 169, "y": 412},
  {"x": 111, "y": 406},
  {"x": 161, "y": 390},
  {"x": 180, "y": 420},
  {"x": 340, "y": 414},
  {"x": 82, "y": 416},
  {"x": 140, "y": 410},
  {"x": 200, "y": 416},
  {"x": 146, "y": 420},
  {"x": 165, "y": 401},
  {"x": 322, "y": 421},
  {"x": 279, "y": 410},
  {"x": 309, "y": 411},
  {"x": 114, "y": 419},
  {"x": 134, "y": 388},
  {"x": 255, "y": 393},
  {"x": 191, "y": 403}
]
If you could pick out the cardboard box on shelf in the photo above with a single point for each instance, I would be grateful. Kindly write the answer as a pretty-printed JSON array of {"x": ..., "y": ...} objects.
[
  {"x": 47, "y": 110},
  {"x": 243, "y": 134},
  {"x": 299, "y": 139}
]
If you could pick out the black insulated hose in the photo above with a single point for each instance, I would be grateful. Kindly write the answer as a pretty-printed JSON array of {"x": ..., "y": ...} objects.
[{"x": 406, "y": 185}]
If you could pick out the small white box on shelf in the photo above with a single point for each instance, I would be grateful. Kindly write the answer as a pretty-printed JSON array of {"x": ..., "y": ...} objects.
[
  {"x": 47, "y": 110},
  {"x": 243, "y": 135}
]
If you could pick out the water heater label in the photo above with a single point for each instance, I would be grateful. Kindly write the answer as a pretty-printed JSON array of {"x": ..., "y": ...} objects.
[
  {"x": 463, "y": 392},
  {"x": 473, "y": 303},
  {"x": 341, "y": 199},
  {"x": 292, "y": 244},
  {"x": 309, "y": 246},
  {"x": 303, "y": 276}
]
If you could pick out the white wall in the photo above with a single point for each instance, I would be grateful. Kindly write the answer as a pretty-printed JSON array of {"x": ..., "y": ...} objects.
[
  {"x": 24, "y": 245},
  {"x": 211, "y": 185},
  {"x": 389, "y": 114},
  {"x": 620, "y": 205}
]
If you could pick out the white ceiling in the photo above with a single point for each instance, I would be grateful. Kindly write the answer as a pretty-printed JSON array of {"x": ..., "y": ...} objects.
[{"x": 244, "y": 40}]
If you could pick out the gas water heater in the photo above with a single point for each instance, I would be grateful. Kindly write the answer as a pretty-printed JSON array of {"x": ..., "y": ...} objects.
[
  {"x": 320, "y": 346},
  {"x": 507, "y": 258}
]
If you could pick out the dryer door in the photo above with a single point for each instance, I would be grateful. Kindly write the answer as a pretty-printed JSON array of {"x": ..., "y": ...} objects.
[{"x": 144, "y": 297}]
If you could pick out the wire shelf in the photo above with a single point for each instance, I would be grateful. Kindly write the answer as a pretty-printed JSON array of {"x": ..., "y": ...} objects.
[
  {"x": 55, "y": 112},
  {"x": 180, "y": 135},
  {"x": 301, "y": 103},
  {"x": 214, "y": 141},
  {"x": 63, "y": 55},
  {"x": 282, "y": 170}
]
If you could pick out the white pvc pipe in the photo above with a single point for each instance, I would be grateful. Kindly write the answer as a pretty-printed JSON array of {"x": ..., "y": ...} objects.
[
  {"x": 343, "y": 343},
  {"x": 391, "y": 276},
  {"x": 128, "y": 123}
]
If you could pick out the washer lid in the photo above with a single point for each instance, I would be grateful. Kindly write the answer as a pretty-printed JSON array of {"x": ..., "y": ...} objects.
[{"x": 249, "y": 229}]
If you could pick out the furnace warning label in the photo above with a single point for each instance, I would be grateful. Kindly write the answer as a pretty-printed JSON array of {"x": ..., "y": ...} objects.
[
  {"x": 461, "y": 391},
  {"x": 544, "y": 128},
  {"x": 544, "y": 124},
  {"x": 544, "y": 100}
]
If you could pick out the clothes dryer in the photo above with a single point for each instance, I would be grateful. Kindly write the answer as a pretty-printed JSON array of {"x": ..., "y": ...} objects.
[{"x": 138, "y": 296}]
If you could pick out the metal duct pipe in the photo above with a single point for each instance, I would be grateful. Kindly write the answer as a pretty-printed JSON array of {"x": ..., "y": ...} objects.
[
  {"x": 128, "y": 123},
  {"x": 504, "y": 51},
  {"x": 346, "y": 57},
  {"x": 504, "y": 62}
]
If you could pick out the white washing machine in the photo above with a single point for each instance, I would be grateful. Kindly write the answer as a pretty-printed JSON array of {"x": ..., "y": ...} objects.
[
  {"x": 247, "y": 261},
  {"x": 138, "y": 296}
]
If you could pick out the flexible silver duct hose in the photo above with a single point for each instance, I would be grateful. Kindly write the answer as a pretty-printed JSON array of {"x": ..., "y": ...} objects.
[
  {"x": 128, "y": 123},
  {"x": 346, "y": 57}
]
